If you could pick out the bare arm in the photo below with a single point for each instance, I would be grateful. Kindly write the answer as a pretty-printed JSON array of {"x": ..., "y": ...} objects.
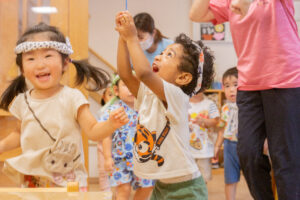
[
  {"x": 219, "y": 142},
  {"x": 11, "y": 141},
  {"x": 141, "y": 65},
  {"x": 124, "y": 68},
  {"x": 99, "y": 130},
  {"x": 206, "y": 123},
  {"x": 108, "y": 160},
  {"x": 200, "y": 11}
]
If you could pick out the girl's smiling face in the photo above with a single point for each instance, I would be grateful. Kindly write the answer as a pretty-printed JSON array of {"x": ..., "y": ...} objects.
[{"x": 43, "y": 67}]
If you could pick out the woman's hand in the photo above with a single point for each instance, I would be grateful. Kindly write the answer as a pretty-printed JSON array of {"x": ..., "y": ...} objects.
[{"x": 240, "y": 7}]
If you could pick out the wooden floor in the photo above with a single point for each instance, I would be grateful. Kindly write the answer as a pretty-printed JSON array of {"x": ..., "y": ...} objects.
[{"x": 215, "y": 186}]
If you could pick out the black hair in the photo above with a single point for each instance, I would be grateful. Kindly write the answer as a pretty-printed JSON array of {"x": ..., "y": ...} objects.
[
  {"x": 97, "y": 76},
  {"x": 190, "y": 61},
  {"x": 145, "y": 22},
  {"x": 230, "y": 72}
]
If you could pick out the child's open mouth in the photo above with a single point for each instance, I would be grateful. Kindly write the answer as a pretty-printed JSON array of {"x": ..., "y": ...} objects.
[
  {"x": 43, "y": 77},
  {"x": 155, "y": 68}
]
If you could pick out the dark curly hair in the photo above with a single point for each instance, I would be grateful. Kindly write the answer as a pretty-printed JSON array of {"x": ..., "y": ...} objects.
[
  {"x": 190, "y": 62},
  {"x": 98, "y": 77}
]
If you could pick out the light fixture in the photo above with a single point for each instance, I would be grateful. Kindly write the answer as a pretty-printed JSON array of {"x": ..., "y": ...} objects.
[{"x": 44, "y": 9}]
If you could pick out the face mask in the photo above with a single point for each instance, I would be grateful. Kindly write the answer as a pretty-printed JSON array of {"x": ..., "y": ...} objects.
[{"x": 147, "y": 43}]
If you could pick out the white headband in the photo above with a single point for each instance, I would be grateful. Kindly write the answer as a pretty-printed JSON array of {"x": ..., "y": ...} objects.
[
  {"x": 200, "y": 67},
  {"x": 64, "y": 48}
]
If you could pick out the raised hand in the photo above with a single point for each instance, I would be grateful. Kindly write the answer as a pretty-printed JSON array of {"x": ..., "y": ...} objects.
[
  {"x": 240, "y": 7},
  {"x": 118, "y": 118},
  {"x": 125, "y": 26}
]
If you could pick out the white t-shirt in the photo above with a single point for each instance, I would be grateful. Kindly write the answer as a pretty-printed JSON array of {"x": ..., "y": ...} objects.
[
  {"x": 155, "y": 158},
  {"x": 229, "y": 115},
  {"x": 58, "y": 114},
  {"x": 201, "y": 143}
]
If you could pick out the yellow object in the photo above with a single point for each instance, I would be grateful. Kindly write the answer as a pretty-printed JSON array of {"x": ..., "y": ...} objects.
[
  {"x": 193, "y": 115},
  {"x": 73, "y": 187}
]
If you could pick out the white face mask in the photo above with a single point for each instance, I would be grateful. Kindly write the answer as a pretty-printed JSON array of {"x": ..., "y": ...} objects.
[{"x": 147, "y": 43}]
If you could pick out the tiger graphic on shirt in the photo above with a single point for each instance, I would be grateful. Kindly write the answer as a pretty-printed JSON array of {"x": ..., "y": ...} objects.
[{"x": 146, "y": 144}]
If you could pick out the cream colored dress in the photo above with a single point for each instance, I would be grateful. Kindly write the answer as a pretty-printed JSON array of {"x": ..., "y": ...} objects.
[{"x": 58, "y": 161}]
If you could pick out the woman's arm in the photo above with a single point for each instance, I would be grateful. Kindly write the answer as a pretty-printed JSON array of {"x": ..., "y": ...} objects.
[
  {"x": 99, "y": 130},
  {"x": 200, "y": 11}
]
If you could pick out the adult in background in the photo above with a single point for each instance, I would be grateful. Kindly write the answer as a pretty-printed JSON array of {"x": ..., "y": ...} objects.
[
  {"x": 267, "y": 45},
  {"x": 152, "y": 41}
]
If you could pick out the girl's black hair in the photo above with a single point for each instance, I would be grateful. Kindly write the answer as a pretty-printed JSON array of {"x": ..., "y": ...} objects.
[
  {"x": 144, "y": 22},
  {"x": 97, "y": 76},
  {"x": 190, "y": 61}
]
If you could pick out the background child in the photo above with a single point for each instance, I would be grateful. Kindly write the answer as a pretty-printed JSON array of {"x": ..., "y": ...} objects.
[
  {"x": 118, "y": 149},
  {"x": 161, "y": 144},
  {"x": 229, "y": 122},
  {"x": 50, "y": 114},
  {"x": 204, "y": 115},
  {"x": 107, "y": 99}
]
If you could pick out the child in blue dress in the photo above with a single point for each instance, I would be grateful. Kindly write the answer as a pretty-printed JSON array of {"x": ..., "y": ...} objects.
[{"x": 118, "y": 149}]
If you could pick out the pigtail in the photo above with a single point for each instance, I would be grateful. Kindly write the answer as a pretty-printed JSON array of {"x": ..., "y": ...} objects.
[
  {"x": 17, "y": 86},
  {"x": 98, "y": 77}
]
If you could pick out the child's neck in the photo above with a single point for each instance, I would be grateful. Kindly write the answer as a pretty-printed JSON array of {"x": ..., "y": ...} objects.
[
  {"x": 45, "y": 93},
  {"x": 197, "y": 98}
]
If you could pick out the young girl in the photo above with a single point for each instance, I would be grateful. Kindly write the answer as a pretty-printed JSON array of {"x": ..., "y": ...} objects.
[
  {"x": 204, "y": 115},
  {"x": 50, "y": 114},
  {"x": 118, "y": 150},
  {"x": 161, "y": 144}
]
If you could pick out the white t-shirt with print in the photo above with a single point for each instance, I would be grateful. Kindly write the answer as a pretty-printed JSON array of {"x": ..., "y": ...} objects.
[
  {"x": 229, "y": 114},
  {"x": 58, "y": 114},
  {"x": 172, "y": 158},
  {"x": 201, "y": 142}
]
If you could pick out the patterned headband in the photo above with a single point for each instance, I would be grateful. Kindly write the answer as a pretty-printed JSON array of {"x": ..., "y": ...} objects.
[
  {"x": 64, "y": 48},
  {"x": 200, "y": 67}
]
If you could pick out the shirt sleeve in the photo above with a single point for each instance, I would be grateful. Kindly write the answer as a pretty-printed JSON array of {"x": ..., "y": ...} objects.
[
  {"x": 213, "y": 111},
  {"x": 78, "y": 100},
  {"x": 16, "y": 106},
  {"x": 220, "y": 9},
  {"x": 178, "y": 102}
]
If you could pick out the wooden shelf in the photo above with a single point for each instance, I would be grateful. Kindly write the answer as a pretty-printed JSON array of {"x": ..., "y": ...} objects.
[{"x": 221, "y": 96}]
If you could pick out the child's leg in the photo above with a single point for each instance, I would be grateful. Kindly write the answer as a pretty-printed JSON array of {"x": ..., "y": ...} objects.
[
  {"x": 122, "y": 192},
  {"x": 143, "y": 193},
  {"x": 143, "y": 187},
  {"x": 204, "y": 165},
  {"x": 231, "y": 169},
  {"x": 230, "y": 191},
  {"x": 103, "y": 176}
]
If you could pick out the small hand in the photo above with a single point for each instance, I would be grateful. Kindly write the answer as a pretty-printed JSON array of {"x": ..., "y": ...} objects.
[
  {"x": 109, "y": 165},
  {"x": 216, "y": 152},
  {"x": 125, "y": 26},
  {"x": 118, "y": 118},
  {"x": 240, "y": 7},
  {"x": 199, "y": 121}
]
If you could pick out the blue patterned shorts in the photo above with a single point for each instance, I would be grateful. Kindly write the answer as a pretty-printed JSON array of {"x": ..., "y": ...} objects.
[{"x": 122, "y": 175}]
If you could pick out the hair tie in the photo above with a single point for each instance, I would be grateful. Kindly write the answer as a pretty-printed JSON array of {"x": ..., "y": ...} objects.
[{"x": 200, "y": 67}]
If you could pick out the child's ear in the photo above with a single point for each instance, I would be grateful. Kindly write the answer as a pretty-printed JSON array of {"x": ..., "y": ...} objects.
[
  {"x": 65, "y": 64},
  {"x": 115, "y": 90},
  {"x": 184, "y": 78}
]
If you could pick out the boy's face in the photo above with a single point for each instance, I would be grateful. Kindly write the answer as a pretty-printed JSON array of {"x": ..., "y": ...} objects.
[
  {"x": 230, "y": 84},
  {"x": 166, "y": 64}
]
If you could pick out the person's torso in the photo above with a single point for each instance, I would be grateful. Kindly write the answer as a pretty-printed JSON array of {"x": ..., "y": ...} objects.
[
  {"x": 267, "y": 45},
  {"x": 230, "y": 116}
]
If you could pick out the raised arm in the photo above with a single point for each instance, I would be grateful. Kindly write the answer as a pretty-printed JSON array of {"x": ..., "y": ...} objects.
[
  {"x": 11, "y": 141},
  {"x": 124, "y": 68},
  {"x": 200, "y": 11},
  {"x": 99, "y": 130},
  {"x": 141, "y": 65}
]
